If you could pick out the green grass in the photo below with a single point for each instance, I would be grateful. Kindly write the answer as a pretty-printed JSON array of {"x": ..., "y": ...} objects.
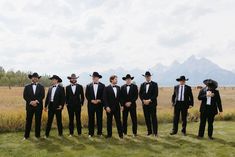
[{"x": 11, "y": 144}]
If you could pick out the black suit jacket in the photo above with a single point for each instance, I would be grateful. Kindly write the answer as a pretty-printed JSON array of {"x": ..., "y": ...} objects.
[
  {"x": 132, "y": 96},
  {"x": 59, "y": 98},
  {"x": 76, "y": 99},
  {"x": 30, "y": 96},
  {"x": 188, "y": 96},
  {"x": 90, "y": 94},
  {"x": 215, "y": 101},
  {"x": 109, "y": 98},
  {"x": 151, "y": 94}
]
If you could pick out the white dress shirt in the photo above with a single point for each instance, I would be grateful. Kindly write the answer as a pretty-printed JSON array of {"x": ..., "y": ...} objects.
[
  {"x": 181, "y": 91},
  {"x": 53, "y": 92},
  {"x": 147, "y": 87},
  {"x": 128, "y": 89},
  {"x": 95, "y": 88},
  {"x": 73, "y": 86},
  {"x": 34, "y": 88},
  {"x": 208, "y": 99},
  {"x": 115, "y": 91}
]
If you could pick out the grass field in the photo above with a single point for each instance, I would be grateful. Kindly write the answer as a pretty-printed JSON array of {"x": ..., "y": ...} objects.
[
  {"x": 12, "y": 108},
  {"x": 11, "y": 144},
  {"x": 12, "y": 121}
]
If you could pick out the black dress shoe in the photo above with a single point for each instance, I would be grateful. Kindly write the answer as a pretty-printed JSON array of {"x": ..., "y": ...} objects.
[
  {"x": 108, "y": 136},
  {"x": 148, "y": 134},
  {"x": 211, "y": 138},
  {"x": 173, "y": 133},
  {"x": 121, "y": 137},
  {"x": 184, "y": 133},
  {"x": 199, "y": 137}
]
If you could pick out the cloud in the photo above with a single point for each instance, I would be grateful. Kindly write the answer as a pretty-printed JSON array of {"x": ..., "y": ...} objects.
[{"x": 63, "y": 36}]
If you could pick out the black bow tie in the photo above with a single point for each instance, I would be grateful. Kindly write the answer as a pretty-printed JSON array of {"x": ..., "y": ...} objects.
[
  {"x": 115, "y": 86},
  {"x": 34, "y": 84},
  {"x": 53, "y": 86},
  {"x": 95, "y": 83},
  {"x": 147, "y": 83},
  {"x": 128, "y": 85},
  {"x": 73, "y": 85}
]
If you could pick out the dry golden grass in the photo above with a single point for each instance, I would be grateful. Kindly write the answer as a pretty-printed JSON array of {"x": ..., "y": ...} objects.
[{"x": 12, "y": 108}]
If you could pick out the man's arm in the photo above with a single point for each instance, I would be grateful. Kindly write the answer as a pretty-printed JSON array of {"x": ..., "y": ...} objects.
[
  {"x": 135, "y": 95},
  {"x": 202, "y": 94},
  {"x": 82, "y": 95},
  {"x": 173, "y": 96},
  {"x": 218, "y": 102},
  {"x": 191, "y": 101}
]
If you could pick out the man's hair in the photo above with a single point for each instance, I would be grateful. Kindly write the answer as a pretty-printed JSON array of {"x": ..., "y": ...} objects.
[{"x": 112, "y": 78}]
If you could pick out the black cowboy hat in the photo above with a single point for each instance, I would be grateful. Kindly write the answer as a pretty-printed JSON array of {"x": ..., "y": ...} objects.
[
  {"x": 56, "y": 77},
  {"x": 34, "y": 75},
  {"x": 182, "y": 78},
  {"x": 96, "y": 74},
  {"x": 128, "y": 76},
  {"x": 211, "y": 83},
  {"x": 147, "y": 73},
  {"x": 73, "y": 76}
]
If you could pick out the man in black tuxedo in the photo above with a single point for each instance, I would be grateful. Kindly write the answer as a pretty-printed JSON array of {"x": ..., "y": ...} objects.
[
  {"x": 182, "y": 100},
  {"x": 210, "y": 104},
  {"x": 111, "y": 97},
  {"x": 34, "y": 94},
  {"x": 94, "y": 95},
  {"x": 129, "y": 95},
  {"x": 54, "y": 104},
  {"x": 74, "y": 101},
  {"x": 148, "y": 95}
]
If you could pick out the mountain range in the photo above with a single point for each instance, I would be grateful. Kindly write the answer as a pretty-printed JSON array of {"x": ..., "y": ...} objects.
[{"x": 196, "y": 69}]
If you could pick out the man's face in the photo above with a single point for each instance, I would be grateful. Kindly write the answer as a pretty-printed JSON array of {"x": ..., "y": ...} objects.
[
  {"x": 95, "y": 79},
  {"x": 128, "y": 81},
  {"x": 73, "y": 80},
  {"x": 54, "y": 81},
  {"x": 182, "y": 82},
  {"x": 114, "y": 81},
  {"x": 34, "y": 79},
  {"x": 148, "y": 78}
]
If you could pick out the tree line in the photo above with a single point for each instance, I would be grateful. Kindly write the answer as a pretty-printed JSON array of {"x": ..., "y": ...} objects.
[{"x": 19, "y": 78}]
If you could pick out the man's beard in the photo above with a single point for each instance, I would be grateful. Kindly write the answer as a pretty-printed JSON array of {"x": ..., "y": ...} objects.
[{"x": 73, "y": 82}]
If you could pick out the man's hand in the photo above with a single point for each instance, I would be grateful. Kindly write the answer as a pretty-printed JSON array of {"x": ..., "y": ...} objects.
[
  {"x": 98, "y": 100},
  {"x": 45, "y": 109},
  {"x": 95, "y": 101},
  {"x": 122, "y": 108},
  {"x": 128, "y": 104},
  {"x": 33, "y": 103},
  {"x": 60, "y": 107},
  {"x": 146, "y": 102},
  {"x": 108, "y": 109},
  {"x": 221, "y": 114},
  {"x": 210, "y": 94}
]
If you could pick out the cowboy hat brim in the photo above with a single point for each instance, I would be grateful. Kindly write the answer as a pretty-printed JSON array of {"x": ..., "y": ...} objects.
[
  {"x": 69, "y": 77},
  {"x": 31, "y": 76},
  {"x": 96, "y": 76},
  {"x": 179, "y": 79},
  {"x": 124, "y": 78},
  {"x": 57, "y": 78},
  {"x": 146, "y": 75},
  {"x": 211, "y": 83}
]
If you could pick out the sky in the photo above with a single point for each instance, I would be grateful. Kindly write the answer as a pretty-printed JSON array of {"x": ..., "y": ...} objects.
[{"x": 74, "y": 36}]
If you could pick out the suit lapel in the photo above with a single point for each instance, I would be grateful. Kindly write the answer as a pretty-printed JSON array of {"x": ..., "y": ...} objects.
[
  {"x": 37, "y": 89},
  {"x": 150, "y": 86},
  {"x": 111, "y": 88}
]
